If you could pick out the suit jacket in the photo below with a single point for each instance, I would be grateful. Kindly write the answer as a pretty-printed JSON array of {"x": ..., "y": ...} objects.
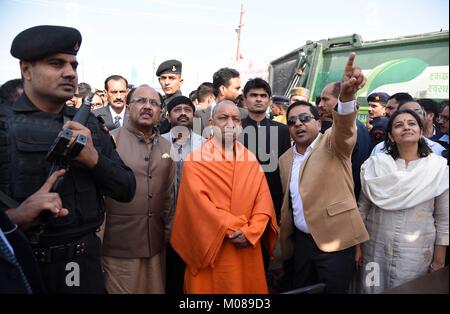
[
  {"x": 360, "y": 153},
  {"x": 10, "y": 279},
  {"x": 282, "y": 143},
  {"x": 326, "y": 188},
  {"x": 437, "y": 138},
  {"x": 204, "y": 115},
  {"x": 105, "y": 113}
]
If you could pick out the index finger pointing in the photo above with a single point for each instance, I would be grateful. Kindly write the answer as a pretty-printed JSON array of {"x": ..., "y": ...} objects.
[
  {"x": 349, "y": 65},
  {"x": 47, "y": 186}
]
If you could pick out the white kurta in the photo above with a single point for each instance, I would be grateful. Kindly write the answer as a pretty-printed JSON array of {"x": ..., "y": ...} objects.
[{"x": 401, "y": 241}]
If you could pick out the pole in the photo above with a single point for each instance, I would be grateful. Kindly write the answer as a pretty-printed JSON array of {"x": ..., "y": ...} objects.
[
  {"x": 153, "y": 76},
  {"x": 238, "y": 30}
]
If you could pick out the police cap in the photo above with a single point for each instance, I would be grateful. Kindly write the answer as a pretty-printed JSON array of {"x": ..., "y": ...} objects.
[
  {"x": 280, "y": 100},
  {"x": 300, "y": 91},
  {"x": 169, "y": 66},
  {"x": 378, "y": 97},
  {"x": 41, "y": 41}
]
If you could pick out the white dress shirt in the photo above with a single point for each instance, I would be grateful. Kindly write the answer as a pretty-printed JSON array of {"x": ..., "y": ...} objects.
[
  {"x": 297, "y": 203},
  {"x": 213, "y": 104},
  {"x": 114, "y": 115},
  {"x": 444, "y": 138},
  {"x": 191, "y": 143}
]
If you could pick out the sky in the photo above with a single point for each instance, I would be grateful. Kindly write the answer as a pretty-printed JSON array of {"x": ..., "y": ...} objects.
[{"x": 132, "y": 37}]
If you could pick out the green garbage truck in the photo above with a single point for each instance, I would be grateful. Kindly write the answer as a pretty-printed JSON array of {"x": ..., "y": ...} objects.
[{"x": 416, "y": 64}]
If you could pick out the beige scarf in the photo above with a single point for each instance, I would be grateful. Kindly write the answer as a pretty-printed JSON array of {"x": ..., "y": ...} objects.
[{"x": 390, "y": 185}]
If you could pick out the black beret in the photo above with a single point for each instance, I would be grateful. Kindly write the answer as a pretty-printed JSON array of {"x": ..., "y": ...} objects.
[
  {"x": 378, "y": 97},
  {"x": 179, "y": 100},
  {"x": 280, "y": 100},
  {"x": 170, "y": 66},
  {"x": 41, "y": 41}
]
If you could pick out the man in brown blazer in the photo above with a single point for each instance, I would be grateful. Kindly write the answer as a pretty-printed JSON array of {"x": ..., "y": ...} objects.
[
  {"x": 320, "y": 221},
  {"x": 136, "y": 233}
]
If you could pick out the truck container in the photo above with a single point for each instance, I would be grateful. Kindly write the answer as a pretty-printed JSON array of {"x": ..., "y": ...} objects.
[{"x": 417, "y": 64}]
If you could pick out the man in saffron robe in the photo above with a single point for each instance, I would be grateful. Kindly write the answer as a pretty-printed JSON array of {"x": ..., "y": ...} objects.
[{"x": 224, "y": 209}]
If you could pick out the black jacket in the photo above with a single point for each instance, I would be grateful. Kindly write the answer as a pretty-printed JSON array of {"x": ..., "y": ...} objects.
[
  {"x": 31, "y": 133},
  {"x": 10, "y": 278},
  {"x": 273, "y": 150},
  {"x": 105, "y": 113}
]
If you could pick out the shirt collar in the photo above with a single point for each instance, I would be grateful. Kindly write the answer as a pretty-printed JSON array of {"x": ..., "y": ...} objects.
[
  {"x": 140, "y": 135},
  {"x": 213, "y": 104},
  {"x": 24, "y": 104},
  {"x": 310, "y": 147},
  {"x": 253, "y": 122},
  {"x": 444, "y": 138},
  {"x": 168, "y": 98},
  {"x": 114, "y": 114}
]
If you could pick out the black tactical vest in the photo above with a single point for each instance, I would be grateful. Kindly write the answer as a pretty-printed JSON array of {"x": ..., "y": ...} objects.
[
  {"x": 30, "y": 136},
  {"x": 5, "y": 158}
]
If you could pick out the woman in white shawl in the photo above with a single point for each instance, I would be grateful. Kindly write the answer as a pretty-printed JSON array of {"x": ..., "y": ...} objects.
[{"x": 405, "y": 207}]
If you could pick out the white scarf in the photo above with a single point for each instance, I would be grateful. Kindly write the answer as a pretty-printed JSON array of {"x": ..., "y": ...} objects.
[{"x": 390, "y": 185}]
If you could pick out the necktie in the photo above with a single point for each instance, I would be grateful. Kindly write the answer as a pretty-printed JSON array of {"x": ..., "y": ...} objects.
[
  {"x": 178, "y": 178},
  {"x": 5, "y": 251},
  {"x": 117, "y": 121}
]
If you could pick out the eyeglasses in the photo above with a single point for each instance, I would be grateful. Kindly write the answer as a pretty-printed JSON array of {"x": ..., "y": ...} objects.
[
  {"x": 303, "y": 117},
  {"x": 143, "y": 100}
]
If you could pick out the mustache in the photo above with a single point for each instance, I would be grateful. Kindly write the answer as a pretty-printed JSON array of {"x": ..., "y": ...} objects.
[
  {"x": 182, "y": 116},
  {"x": 146, "y": 111}
]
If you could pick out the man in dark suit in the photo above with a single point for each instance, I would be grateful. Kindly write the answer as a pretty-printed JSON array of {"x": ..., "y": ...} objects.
[
  {"x": 114, "y": 113},
  {"x": 227, "y": 86},
  {"x": 13, "y": 278}
]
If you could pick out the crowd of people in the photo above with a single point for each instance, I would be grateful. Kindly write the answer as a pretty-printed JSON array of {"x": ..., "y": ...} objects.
[{"x": 220, "y": 192}]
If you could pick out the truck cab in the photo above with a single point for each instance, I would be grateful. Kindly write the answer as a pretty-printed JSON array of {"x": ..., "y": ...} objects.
[{"x": 417, "y": 64}]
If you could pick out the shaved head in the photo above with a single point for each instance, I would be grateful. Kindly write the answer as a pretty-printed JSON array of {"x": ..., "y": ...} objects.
[
  {"x": 226, "y": 122},
  {"x": 225, "y": 103},
  {"x": 414, "y": 106}
]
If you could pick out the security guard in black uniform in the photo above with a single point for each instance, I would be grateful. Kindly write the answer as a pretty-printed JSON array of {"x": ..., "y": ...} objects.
[
  {"x": 379, "y": 123},
  {"x": 169, "y": 77},
  {"x": 67, "y": 249}
]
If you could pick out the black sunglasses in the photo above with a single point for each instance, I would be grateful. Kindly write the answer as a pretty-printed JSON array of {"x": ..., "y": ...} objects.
[{"x": 303, "y": 117}]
